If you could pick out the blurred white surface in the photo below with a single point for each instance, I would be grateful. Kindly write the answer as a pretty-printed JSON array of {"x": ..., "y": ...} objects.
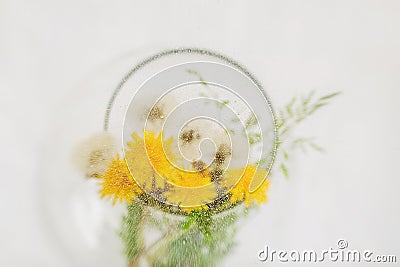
[{"x": 49, "y": 50}]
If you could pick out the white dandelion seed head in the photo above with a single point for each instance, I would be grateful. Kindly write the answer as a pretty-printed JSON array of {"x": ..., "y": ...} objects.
[{"x": 94, "y": 154}]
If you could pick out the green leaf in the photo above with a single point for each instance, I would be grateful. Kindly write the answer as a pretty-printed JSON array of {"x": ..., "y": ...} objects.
[
  {"x": 307, "y": 100},
  {"x": 316, "y": 147},
  {"x": 222, "y": 104},
  {"x": 284, "y": 131},
  {"x": 280, "y": 121},
  {"x": 254, "y": 138},
  {"x": 285, "y": 154},
  {"x": 230, "y": 131},
  {"x": 195, "y": 72},
  {"x": 284, "y": 170},
  {"x": 202, "y": 81},
  {"x": 289, "y": 106},
  {"x": 191, "y": 71},
  {"x": 252, "y": 120},
  {"x": 316, "y": 107},
  {"x": 329, "y": 96},
  {"x": 261, "y": 162},
  {"x": 186, "y": 225}
]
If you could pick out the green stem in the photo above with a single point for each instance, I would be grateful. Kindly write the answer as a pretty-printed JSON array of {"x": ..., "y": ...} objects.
[
  {"x": 134, "y": 261},
  {"x": 166, "y": 238}
]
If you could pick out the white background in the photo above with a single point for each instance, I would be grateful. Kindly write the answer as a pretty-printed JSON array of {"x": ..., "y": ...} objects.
[{"x": 48, "y": 49}]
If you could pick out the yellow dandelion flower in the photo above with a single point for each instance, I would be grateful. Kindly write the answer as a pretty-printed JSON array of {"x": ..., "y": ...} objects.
[
  {"x": 191, "y": 198},
  {"x": 151, "y": 155},
  {"x": 118, "y": 184},
  {"x": 149, "y": 159},
  {"x": 159, "y": 153},
  {"x": 162, "y": 156},
  {"x": 189, "y": 178},
  {"x": 241, "y": 191},
  {"x": 137, "y": 159}
]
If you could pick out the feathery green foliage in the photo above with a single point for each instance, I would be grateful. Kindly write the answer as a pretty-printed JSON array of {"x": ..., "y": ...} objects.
[
  {"x": 202, "y": 241},
  {"x": 293, "y": 113},
  {"x": 132, "y": 229}
]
